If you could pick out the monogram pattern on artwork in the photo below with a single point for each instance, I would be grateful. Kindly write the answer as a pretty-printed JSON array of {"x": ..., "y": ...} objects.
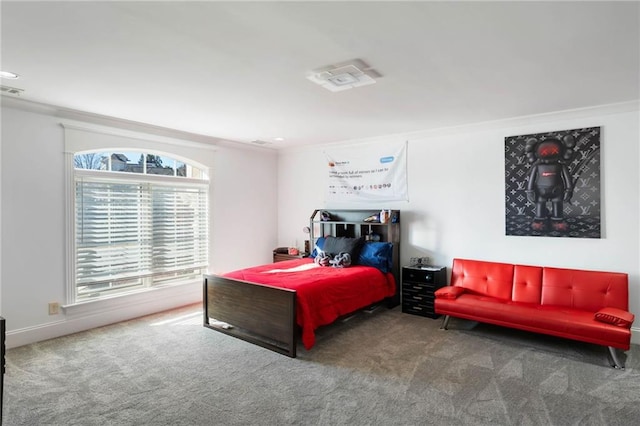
[{"x": 552, "y": 184}]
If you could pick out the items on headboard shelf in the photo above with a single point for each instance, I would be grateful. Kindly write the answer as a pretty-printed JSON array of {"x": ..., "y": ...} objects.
[
  {"x": 360, "y": 223},
  {"x": 355, "y": 223}
]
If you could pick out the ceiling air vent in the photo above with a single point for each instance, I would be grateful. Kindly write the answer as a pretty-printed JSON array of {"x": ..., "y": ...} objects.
[
  {"x": 10, "y": 90},
  {"x": 344, "y": 76}
]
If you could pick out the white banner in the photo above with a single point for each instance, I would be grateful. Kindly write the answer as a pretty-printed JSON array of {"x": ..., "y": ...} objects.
[{"x": 368, "y": 173}]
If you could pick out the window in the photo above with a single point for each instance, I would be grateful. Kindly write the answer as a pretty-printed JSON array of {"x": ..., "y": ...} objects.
[{"x": 141, "y": 220}]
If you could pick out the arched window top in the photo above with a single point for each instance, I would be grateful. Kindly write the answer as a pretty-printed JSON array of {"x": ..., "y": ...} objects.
[{"x": 132, "y": 161}]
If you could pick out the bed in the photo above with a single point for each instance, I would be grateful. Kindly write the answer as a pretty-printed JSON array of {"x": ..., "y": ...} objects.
[{"x": 271, "y": 305}]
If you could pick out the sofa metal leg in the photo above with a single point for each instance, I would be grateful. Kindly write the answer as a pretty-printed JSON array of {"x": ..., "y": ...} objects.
[
  {"x": 445, "y": 322},
  {"x": 615, "y": 362}
]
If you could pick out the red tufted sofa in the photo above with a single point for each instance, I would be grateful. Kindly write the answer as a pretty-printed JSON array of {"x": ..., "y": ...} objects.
[{"x": 590, "y": 306}]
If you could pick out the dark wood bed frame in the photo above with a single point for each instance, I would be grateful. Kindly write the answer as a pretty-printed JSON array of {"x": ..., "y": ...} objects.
[
  {"x": 259, "y": 314},
  {"x": 266, "y": 315}
]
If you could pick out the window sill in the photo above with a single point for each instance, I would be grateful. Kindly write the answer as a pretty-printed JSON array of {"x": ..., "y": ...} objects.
[{"x": 187, "y": 290}]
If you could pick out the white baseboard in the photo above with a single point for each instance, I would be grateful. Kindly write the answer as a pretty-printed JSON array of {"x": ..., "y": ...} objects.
[{"x": 110, "y": 311}]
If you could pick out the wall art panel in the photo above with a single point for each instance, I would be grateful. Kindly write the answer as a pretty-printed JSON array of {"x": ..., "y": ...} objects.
[{"x": 552, "y": 184}]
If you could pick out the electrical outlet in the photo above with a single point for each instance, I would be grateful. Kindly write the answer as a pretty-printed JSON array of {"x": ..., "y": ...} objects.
[{"x": 54, "y": 308}]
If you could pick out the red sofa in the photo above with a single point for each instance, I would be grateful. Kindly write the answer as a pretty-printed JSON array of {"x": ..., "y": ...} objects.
[{"x": 590, "y": 306}]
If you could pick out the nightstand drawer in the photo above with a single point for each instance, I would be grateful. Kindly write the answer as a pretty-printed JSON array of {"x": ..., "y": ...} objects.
[
  {"x": 418, "y": 275},
  {"x": 424, "y": 302},
  {"x": 419, "y": 287},
  {"x": 417, "y": 297},
  {"x": 281, "y": 257},
  {"x": 424, "y": 311}
]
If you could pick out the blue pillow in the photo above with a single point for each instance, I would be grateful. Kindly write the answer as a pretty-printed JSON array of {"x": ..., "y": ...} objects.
[
  {"x": 319, "y": 244},
  {"x": 378, "y": 255}
]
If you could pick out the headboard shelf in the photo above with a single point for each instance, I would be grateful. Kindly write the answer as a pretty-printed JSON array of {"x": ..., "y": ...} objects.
[{"x": 351, "y": 216}]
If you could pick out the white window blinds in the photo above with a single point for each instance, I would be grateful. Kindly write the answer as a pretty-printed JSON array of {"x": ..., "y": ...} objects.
[{"x": 135, "y": 234}]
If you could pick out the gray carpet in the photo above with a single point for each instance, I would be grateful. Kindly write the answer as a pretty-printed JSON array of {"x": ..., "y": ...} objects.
[{"x": 383, "y": 368}]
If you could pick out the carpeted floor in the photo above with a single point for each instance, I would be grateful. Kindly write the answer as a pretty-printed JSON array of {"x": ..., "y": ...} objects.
[{"x": 383, "y": 368}]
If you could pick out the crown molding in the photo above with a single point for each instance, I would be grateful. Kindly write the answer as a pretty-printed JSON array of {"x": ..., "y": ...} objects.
[
  {"x": 528, "y": 120},
  {"x": 91, "y": 120}
]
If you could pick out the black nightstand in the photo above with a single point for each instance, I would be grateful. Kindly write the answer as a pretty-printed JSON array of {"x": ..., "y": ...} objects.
[{"x": 418, "y": 286}]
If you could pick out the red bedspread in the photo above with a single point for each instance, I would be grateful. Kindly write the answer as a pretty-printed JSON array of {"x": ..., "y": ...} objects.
[{"x": 323, "y": 293}]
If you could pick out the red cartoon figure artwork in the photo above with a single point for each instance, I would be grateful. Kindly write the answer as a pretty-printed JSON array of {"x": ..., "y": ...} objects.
[{"x": 550, "y": 183}]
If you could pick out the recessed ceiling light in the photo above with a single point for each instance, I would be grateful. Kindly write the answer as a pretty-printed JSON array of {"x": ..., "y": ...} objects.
[
  {"x": 278, "y": 139},
  {"x": 9, "y": 75}
]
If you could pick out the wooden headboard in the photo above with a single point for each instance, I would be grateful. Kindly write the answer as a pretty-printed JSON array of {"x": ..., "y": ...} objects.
[{"x": 353, "y": 224}]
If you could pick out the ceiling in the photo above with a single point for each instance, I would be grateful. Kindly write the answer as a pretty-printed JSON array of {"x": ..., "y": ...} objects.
[{"x": 237, "y": 70}]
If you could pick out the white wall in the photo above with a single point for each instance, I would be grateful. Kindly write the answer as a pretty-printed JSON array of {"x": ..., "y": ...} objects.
[
  {"x": 456, "y": 208},
  {"x": 456, "y": 190},
  {"x": 32, "y": 267}
]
